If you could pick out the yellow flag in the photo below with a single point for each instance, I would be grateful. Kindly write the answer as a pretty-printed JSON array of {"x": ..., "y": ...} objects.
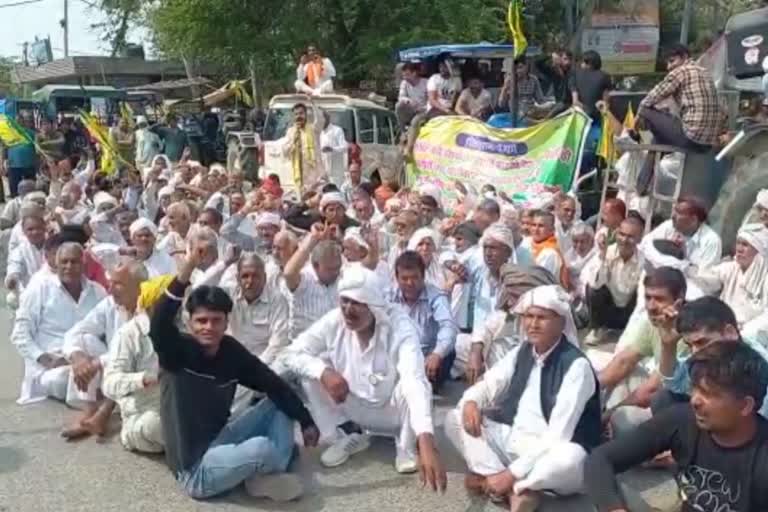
[
  {"x": 605, "y": 147},
  {"x": 629, "y": 118},
  {"x": 515, "y": 22},
  {"x": 11, "y": 133},
  {"x": 109, "y": 154},
  {"x": 126, "y": 112}
]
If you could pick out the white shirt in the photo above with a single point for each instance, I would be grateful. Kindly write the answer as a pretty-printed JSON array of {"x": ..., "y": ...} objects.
[
  {"x": 744, "y": 291},
  {"x": 310, "y": 300},
  {"x": 530, "y": 426},
  {"x": 160, "y": 263},
  {"x": 23, "y": 261},
  {"x": 96, "y": 330},
  {"x": 393, "y": 355},
  {"x": 329, "y": 73},
  {"x": 46, "y": 312},
  {"x": 702, "y": 249},
  {"x": 621, "y": 277},
  {"x": 413, "y": 94},
  {"x": 132, "y": 358},
  {"x": 262, "y": 325},
  {"x": 475, "y": 103},
  {"x": 447, "y": 89},
  {"x": 335, "y": 161}
]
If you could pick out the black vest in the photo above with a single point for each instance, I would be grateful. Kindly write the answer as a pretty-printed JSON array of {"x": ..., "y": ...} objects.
[{"x": 589, "y": 427}]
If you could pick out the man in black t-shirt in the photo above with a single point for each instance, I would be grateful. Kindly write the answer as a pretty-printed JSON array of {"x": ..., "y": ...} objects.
[
  {"x": 590, "y": 84},
  {"x": 208, "y": 452},
  {"x": 719, "y": 441}
]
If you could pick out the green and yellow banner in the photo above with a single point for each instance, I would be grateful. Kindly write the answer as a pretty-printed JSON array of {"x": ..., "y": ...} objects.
[
  {"x": 519, "y": 161},
  {"x": 12, "y": 133}
]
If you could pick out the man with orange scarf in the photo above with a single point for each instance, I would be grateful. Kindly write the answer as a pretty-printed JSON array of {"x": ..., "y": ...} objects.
[
  {"x": 545, "y": 249},
  {"x": 315, "y": 73}
]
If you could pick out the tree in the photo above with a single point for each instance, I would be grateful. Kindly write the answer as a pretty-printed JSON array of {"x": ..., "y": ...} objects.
[
  {"x": 121, "y": 16},
  {"x": 7, "y": 87}
]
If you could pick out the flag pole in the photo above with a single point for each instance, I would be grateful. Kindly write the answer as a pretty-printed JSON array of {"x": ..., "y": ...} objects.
[{"x": 513, "y": 93}]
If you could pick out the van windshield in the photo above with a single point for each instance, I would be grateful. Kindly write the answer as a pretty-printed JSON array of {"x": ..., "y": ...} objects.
[{"x": 280, "y": 118}]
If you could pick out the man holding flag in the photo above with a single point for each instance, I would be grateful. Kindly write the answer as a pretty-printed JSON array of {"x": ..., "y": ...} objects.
[{"x": 20, "y": 160}]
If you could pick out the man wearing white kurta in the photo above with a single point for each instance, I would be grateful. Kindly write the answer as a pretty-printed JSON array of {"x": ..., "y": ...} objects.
[
  {"x": 527, "y": 426},
  {"x": 27, "y": 257},
  {"x": 333, "y": 145},
  {"x": 143, "y": 234},
  {"x": 86, "y": 347},
  {"x": 48, "y": 308},
  {"x": 362, "y": 363}
]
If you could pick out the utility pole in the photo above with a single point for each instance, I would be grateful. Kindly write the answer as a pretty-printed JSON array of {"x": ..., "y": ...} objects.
[
  {"x": 686, "y": 22},
  {"x": 65, "y": 26}
]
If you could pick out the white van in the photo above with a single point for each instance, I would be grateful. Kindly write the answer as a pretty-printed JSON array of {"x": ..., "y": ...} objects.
[{"x": 365, "y": 123}]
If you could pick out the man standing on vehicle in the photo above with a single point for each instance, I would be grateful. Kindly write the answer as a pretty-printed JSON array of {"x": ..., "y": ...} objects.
[
  {"x": 334, "y": 148},
  {"x": 302, "y": 146},
  {"x": 692, "y": 88}
]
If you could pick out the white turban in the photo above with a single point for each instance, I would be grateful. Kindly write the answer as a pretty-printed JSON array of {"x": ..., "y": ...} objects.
[
  {"x": 755, "y": 235},
  {"x": 554, "y": 298},
  {"x": 432, "y": 191},
  {"x": 332, "y": 197},
  {"x": 356, "y": 235},
  {"x": 500, "y": 233},
  {"x": 422, "y": 233},
  {"x": 762, "y": 198},
  {"x": 100, "y": 198},
  {"x": 362, "y": 285},
  {"x": 140, "y": 224},
  {"x": 166, "y": 191},
  {"x": 268, "y": 219}
]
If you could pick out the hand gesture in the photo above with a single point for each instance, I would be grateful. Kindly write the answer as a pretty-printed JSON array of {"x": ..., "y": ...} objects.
[
  {"x": 318, "y": 231},
  {"x": 431, "y": 470},
  {"x": 335, "y": 385},
  {"x": 475, "y": 366},
  {"x": 84, "y": 370},
  {"x": 472, "y": 419},
  {"x": 51, "y": 361},
  {"x": 602, "y": 244},
  {"x": 233, "y": 254},
  {"x": 432, "y": 365}
]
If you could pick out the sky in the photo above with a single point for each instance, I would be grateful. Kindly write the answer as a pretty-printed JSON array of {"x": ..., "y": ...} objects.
[{"x": 23, "y": 22}]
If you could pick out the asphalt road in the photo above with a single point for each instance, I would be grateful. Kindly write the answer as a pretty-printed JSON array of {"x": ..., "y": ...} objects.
[{"x": 39, "y": 472}]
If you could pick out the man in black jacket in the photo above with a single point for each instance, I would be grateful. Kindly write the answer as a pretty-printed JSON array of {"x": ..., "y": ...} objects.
[
  {"x": 207, "y": 452},
  {"x": 719, "y": 441}
]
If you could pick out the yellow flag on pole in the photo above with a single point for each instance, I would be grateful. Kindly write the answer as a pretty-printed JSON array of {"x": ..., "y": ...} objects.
[
  {"x": 515, "y": 22},
  {"x": 109, "y": 154},
  {"x": 606, "y": 148},
  {"x": 12, "y": 133},
  {"x": 126, "y": 113},
  {"x": 629, "y": 118}
]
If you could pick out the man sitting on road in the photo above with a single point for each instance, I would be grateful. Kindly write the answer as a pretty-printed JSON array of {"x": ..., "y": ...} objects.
[
  {"x": 528, "y": 425},
  {"x": 719, "y": 441},
  {"x": 207, "y": 452},
  {"x": 362, "y": 369},
  {"x": 48, "y": 308},
  {"x": 86, "y": 346},
  {"x": 545, "y": 248}
]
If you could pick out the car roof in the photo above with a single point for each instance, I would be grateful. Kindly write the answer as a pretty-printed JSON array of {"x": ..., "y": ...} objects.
[
  {"x": 325, "y": 100},
  {"x": 482, "y": 50}
]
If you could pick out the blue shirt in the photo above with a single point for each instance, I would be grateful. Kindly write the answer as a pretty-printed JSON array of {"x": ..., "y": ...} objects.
[
  {"x": 680, "y": 381},
  {"x": 432, "y": 315},
  {"x": 23, "y": 155}
]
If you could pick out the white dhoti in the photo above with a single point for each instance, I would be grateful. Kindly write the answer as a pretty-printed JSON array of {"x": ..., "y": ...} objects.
[
  {"x": 559, "y": 469},
  {"x": 143, "y": 432},
  {"x": 325, "y": 88},
  {"x": 390, "y": 419},
  {"x": 92, "y": 347},
  {"x": 39, "y": 383},
  {"x": 623, "y": 419}
]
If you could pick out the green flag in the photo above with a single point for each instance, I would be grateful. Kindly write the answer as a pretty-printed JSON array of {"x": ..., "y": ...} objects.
[{"x": 12, "y": 133}]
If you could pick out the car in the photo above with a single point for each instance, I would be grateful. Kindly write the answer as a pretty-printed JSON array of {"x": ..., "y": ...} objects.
[{"x": 367, "y": 124}]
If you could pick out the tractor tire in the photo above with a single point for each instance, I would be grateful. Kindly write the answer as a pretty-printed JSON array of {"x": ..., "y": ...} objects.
[{"x": 737, "y": 197}]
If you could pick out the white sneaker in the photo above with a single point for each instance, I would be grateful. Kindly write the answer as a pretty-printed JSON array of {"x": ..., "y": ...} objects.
[
  {"x": 340, "y": 451},
  {"x": 405, "y": 464},
  {"x": 275, "y": 486}
]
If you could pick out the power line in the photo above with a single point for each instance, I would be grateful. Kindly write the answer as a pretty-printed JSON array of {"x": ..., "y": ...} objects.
[{"x": 16, "y": 4}]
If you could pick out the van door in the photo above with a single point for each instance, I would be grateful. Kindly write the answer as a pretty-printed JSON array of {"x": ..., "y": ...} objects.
[{"x": 387, "y": 145}]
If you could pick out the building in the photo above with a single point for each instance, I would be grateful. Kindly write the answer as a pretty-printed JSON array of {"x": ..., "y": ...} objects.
[{"x": 118, "y": 72}]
